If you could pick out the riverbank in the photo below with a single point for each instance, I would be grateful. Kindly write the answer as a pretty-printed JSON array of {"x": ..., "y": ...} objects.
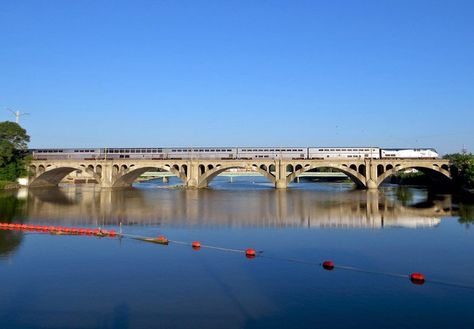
[{"x": 8, "y": 185}]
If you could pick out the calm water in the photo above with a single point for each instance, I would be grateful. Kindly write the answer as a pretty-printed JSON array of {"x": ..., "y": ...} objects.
[{"x": 87, "y": 282}]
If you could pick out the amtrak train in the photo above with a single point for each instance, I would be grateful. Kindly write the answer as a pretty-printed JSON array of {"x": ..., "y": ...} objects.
[{"x": 226, "y": 153}]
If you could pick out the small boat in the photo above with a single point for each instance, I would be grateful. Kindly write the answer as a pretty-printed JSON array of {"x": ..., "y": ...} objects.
[{"x": 160, "y": 240}]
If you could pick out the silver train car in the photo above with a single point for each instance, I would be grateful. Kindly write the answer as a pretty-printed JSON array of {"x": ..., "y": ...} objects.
[
  {"x": 287, "y": 153},
  {"x": 344, "y": 153},
  {"x": 226, "y": 153}
]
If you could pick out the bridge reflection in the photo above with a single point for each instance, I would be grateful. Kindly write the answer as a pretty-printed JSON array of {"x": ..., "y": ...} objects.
[{"x": 232, "y": 208}]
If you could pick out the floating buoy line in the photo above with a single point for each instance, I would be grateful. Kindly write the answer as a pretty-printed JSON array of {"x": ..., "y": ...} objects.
[{"x": 328, "y": 265}]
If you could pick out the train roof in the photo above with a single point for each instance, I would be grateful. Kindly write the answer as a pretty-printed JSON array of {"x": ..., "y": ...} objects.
[{"x": 409, "y": 148}]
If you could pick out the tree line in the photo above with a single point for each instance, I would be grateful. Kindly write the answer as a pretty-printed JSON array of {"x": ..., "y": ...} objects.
[
  {"x": 462, "y": 169},
  {"x": 13, "y": 152}
]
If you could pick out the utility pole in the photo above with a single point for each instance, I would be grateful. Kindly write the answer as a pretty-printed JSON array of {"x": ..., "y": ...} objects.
[{"x": 17, "y": 115}]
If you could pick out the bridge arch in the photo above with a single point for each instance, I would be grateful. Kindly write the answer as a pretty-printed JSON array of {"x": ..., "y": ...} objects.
[
  {"x": 51, "y": 177},
  {"x": 430, "y": 170},
  {"x": 127, "y": 179},
  {"x": 352, "y": 173},
  {"x": 209, "y": 175}
]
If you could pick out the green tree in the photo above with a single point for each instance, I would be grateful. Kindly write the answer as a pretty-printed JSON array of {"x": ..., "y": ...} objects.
[
  {"x": 462, "y": 169},
  {"x": 13, "y": 150}
]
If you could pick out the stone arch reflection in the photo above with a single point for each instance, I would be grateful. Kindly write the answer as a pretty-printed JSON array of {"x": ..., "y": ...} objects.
[{"x": 259, "y": 208}]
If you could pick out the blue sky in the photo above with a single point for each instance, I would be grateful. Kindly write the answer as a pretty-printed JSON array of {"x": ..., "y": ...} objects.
[{"x": 228, "y": 73}]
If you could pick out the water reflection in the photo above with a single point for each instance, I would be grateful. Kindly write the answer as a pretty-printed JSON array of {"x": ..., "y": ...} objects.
[
  {"x": 12, "y": 208},
  {"x": 390, "y": 207}
]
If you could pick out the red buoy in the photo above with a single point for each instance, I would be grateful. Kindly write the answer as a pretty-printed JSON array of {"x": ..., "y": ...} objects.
[
  {"x": 81, "y": 231},
  {"x": 417, "y": 278},
  {"x": 328, "y": 265},
  {"x": 112, "y": 233},
  {"x": 196, "y": 245},
  {"x": 88, "y": 231},
  {"x": 250, "y": 253}
]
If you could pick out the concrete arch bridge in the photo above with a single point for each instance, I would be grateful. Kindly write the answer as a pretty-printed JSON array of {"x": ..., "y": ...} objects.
[{"x": 366, "y": 174}]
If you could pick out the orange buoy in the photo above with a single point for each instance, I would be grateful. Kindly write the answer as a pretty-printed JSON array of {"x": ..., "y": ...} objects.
[
  {"x": 81, "y": 231},
  {"x": 96, "y": 231},
  {"x": 112, "y": 233},
  {"x": 250, "y": 253},
  {"x": 417, "y": 278},
  {"x": 196, "y": 245},
  {"x": 328, "y": 265},
  {"x": 74, "y": 230},
  {"x": 88, "y": 231}
]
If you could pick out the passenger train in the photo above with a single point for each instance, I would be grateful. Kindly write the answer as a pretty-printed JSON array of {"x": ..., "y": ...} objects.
[{"x": 244, "y": 153}]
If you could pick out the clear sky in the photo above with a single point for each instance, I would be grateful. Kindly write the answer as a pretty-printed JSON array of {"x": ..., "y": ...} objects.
[{"x": 240, "y": 73}]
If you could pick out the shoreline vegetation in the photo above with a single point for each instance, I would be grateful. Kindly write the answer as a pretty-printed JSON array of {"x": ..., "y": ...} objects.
[{"x": 13, "y": 154}]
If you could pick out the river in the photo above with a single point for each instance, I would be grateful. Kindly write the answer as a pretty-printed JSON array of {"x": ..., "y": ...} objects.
[{"x": 376, "y": 239}]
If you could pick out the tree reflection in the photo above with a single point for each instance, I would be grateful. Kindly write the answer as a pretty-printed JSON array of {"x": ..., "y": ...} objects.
[
  {"x": 466, "y": 214},
  {"x": 11, "y": 209}
]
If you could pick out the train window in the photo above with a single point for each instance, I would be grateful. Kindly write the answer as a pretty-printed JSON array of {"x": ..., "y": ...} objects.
[
  {"x": 179, "y": 150},
  {"x": 326, "y": 149},
  {"x": 332, "y": 149},
  {"x": 213, "y": 150}
]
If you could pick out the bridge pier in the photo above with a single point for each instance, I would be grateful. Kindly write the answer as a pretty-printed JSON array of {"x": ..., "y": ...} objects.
[{"x": 107, "y": 177}]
